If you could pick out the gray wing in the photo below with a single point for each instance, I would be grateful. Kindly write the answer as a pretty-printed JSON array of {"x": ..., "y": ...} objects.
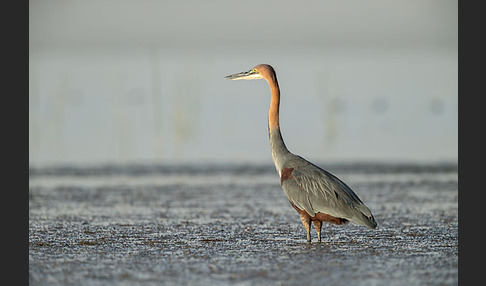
[{"x": 316, "y": 190}]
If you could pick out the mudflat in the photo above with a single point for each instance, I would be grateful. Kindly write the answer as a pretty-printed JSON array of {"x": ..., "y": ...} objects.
[{"x": 232, "y": 225}]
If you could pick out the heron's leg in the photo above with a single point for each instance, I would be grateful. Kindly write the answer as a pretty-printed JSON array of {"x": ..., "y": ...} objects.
[
  {"x": 318, "y": 226},
  {"x": 306, "y": 222}
]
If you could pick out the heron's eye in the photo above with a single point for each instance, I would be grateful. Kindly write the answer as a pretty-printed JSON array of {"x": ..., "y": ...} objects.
[{"x": 254, "y": 70}]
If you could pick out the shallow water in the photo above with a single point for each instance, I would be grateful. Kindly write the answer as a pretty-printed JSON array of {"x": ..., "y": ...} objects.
[{"x": 232, "y": 224}]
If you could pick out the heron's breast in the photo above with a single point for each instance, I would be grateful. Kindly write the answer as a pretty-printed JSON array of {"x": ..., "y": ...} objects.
[{"x": 286, "y": 174}]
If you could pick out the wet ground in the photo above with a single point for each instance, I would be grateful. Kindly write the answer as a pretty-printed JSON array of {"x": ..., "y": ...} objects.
[{"x": 232, "y": 225}]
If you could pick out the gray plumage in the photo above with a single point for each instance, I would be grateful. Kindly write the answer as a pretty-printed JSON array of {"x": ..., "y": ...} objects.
[
  {"x": 316, "y": 194},
  {"x": 315, "y": 190}
]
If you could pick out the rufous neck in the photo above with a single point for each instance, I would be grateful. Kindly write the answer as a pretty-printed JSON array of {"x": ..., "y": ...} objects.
[
  {"x": 277, "y": 145},
  {"x": 273, "y": 120}
]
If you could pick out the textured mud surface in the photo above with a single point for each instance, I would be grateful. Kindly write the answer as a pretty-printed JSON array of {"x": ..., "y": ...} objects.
[{"x": 220, "y": 225}]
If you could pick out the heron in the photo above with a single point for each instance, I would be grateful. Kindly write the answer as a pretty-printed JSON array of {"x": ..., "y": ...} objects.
[{"x": 316, "y": 194}]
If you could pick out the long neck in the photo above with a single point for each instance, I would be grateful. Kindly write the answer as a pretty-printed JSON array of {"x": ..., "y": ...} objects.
[{"x": 277, "y": 145}]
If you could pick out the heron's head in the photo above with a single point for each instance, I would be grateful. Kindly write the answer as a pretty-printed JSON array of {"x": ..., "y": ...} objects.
[{"x": 260, "y": 71}]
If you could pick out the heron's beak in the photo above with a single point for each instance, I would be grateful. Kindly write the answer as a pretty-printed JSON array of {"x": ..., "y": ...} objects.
[{"x": 244, "y": 75}]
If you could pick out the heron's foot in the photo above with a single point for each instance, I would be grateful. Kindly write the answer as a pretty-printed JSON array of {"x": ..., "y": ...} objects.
[
  {"x": 318, "y": 226},
  {"x": 308, "y": 236},
  {"x": 307, "y": 226}
]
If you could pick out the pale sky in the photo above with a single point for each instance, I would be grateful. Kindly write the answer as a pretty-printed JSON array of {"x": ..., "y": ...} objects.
[{"x": 143, "y": 81}]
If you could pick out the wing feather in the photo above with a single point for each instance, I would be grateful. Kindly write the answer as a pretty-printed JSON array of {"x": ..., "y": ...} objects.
[{"x": 317, "y": 190}]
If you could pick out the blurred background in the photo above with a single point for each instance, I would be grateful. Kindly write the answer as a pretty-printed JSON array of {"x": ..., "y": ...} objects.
[{"x": 143, "y": 81}]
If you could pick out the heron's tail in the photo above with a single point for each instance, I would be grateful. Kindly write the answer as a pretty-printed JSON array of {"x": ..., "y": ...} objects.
[
  {"x": 363, "y": 216},
  {"x": 369, "y": 221}
]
